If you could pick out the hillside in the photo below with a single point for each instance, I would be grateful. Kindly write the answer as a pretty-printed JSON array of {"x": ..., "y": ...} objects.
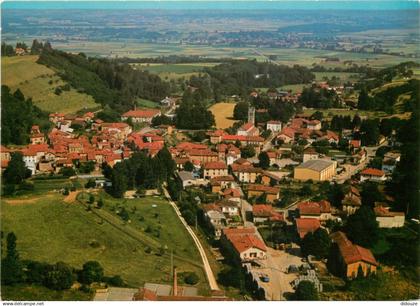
[{"x": 39, "y": 82}]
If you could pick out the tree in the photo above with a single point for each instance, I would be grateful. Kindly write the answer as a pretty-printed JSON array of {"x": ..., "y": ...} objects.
[
  {"x": 188, "y": 166},
  {"x": 370, "y": 194},
  {"x": 11, "y": 266},
  {"x": 369, "y": 131},
  {"x": 59, "y": 276},
  {"x": 92, "y": 272},
  {"x": 362, "y": 227},
  {"x": 264, "y": 160},
  {"x": 240, "y": 112},
  {"x": 247, "y": 151},
  {"x": 16, "y": 170},
  {"x": 191, "y": 278},
  {"x": 67, "y": 171},
  {"x": 317, "y": 243},
  {"x": 306, "y": 291}
]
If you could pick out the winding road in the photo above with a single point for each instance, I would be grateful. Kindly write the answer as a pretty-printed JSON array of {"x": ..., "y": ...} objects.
[{"x": 206, "y": 264}]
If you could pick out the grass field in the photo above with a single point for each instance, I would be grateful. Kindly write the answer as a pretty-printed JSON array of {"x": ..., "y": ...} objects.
[
  {"x": 49, "y": 230},
  {"x": 223, "y": 112},
  {"x": 147, "y": 103},
  {"x": 39, "y": 82},
  {"x": 344, "y": 76}
]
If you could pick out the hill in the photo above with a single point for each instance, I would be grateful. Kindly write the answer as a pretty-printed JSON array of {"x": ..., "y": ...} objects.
[
  {"x": 50, "y": 230},
  {"x": 40, "y": 82}
]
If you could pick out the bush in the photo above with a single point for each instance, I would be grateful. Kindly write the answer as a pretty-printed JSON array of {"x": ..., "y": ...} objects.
[
  {"x": 59, "y": 277},
  {"x": 66, "y": 191},
  {"x": 92, "y": 272},
  {"x": 115, "y": 280},
  {"x": 90, "y": 184},
  {"x": 26, "y": 186},
  {"x": 191, "y": 278}
]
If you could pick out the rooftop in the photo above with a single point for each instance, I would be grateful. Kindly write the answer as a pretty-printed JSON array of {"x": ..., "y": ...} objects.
[{"x": 316, "y": 164}]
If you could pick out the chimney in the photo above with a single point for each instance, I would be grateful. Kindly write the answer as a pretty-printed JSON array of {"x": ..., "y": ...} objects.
[{"x": 175, "y": 288}]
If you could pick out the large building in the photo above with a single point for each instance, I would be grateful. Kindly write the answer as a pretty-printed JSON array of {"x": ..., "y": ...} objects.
[
  {"x": 351, "y": 258},
  {"x": 141, "y": 115},
  {"x": 316, "y": 169}
]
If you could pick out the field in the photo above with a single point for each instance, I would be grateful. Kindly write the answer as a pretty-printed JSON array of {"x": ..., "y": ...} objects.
[
  {"x": 288, "y": 56},
  {"x": 39, "y": 82},
  {"x": 147, "y": 103},
  {"x": 223, "y": 113},
  {"x": 50, "y": 230}
]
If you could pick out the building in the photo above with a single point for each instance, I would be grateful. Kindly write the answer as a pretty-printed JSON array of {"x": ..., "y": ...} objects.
[
  {"x": 219, "y": 183},
  {"x": 351, "y": 258},
  {"x": 256, "y": 190},
  {"x": 306, "y": 225},
  {"x": 36, "y": 136},
  {"x": 248, "y": 129},
  {"x": 274, "y": 126},
  {"x": 310, "y": 154},
  {"x": 141, "y": 115},
  {"x": 388, "y": 219},
  {"x": 215, "y": 219},
  {"x": 352, "y": 201},
  {"x": 244, "y": 243},
  {"x": 287, "y": 135},
  {"x": 314, "y": 125},
  {"x": 317, "y": 210},
  {"x": 251, "y": 115},
  {"x": 262, "y": 213},
  {"x": 215, "y": 169},
  {"x": 245, "y": 173},
  {"x": 317, "y": 170},
  {"x": 372, "y": 174},
  {"x": 186, "y": 178}
]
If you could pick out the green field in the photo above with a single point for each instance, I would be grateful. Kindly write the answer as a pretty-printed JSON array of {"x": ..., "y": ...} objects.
[
  {"x": 39, "y": 82},
  {"x": 49, "y": 230},
  {"x": 147, "y": 103}
]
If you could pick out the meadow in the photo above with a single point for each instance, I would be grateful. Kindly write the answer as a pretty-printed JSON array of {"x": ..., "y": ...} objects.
[
  {"x": 50, "y": 230},
  {"x": 223, "y": 113},
  {"x": 39, "y": 83}
]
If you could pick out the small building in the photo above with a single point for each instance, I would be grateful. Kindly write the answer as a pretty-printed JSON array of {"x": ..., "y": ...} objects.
[
  {"x": 352, "y": 201},
  {"x": 244, "y": 243},
  {"x": 317, "y": 210},
  {"x": 215, "y": 169},
  {"x": 351, "y": 258},
  {"x": 314, "y": 125},
  {"x": 372, "y": 174},
  {"x": 310, "y": 154},
  {"x": 274, "y": 126},
  {"x": 257, "y": 190},
  {"x": 306, "y": 225},
  {"x": 316, "y": 169},
  {"x": 388, "y": 219},
  {"x": 215, "y": 219},
  {"x": 245, "y": 173},
  {"x": 141, "y": 115},
  {"x": 186, "y": 178},
  {"x": 248, "y": 129},
  {"x": 262, "y": 213}
]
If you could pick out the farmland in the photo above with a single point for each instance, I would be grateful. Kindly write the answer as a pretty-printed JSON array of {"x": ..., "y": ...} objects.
[
  {"x": 39, "y": 82},
  {"x": 50, "y": 230},
  {"x": 223, "y": 113}
]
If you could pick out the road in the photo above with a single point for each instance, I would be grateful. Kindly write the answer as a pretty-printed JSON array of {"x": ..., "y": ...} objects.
[{"x": 209, "y": 273}]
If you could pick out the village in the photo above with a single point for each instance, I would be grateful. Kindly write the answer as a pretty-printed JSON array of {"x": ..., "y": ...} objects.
[{"x": 247, "y": 175}]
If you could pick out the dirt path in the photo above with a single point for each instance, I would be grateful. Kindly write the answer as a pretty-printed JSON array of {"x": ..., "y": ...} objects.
[
  {"x": 24, "y": 201},
  {"x": 71, "y": 197},
  {"x": 207, "y": 268}
]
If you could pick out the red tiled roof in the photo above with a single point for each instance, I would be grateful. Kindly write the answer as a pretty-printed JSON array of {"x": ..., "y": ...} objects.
[
  {"x": 350, "y": 252},
  {"x": 215, "y": 165},
  {"x": 231, "y": 193},
  {"x": 263, "y": 188},
  {"x": 306, "y": 225},
  {"x": 142, "y": 113},
  {"x": 247, "y": 126},
  {"x": 355, "y": 143},
  {"x": 273, "y": 122},
  {"x": 372, "y": 172},
  {"x": 262, "y": 210},
  {"x": 289, "y": 132},
  {"x": 381, "y": 211},
  {"x": 243, "y": 239}
]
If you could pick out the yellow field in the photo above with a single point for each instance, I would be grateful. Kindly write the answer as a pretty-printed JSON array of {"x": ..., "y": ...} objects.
[
  {"x": 223, "y": 114},
  {"x": 39, "y": 82}
]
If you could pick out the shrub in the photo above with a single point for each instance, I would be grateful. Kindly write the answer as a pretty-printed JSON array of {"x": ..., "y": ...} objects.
[{"x": 191, "y": 278}]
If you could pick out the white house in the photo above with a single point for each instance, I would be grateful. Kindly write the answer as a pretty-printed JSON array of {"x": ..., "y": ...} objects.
[
  {"x": 372, "y": 174},
  {"x": 274, "y": 126}
]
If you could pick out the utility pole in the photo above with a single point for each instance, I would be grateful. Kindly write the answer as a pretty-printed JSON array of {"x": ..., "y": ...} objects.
[{"x": 172, "y": 263}]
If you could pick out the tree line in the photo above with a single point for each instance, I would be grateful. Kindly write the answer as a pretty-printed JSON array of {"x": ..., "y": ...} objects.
[
  {"x": 140, "y": 171},
  {"x": 19, "y": 114},
  {"x": 107, "y": 81}
]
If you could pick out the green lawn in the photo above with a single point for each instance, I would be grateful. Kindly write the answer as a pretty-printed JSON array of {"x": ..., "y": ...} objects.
[
  {"x": 147, "y": 103},
  {"x": 40, "y": 293},
  {"x": 49, "y": 230},
  {"x": 39, "y": 82}
]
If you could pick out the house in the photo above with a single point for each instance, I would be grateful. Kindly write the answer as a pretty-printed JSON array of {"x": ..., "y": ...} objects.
[
  {"x": 352, "y": 201},
  {"x": 372, "y": 174},
  {"x": 287, "y": 135},
  {"x": 20, "y": 51},
  {"x": 168, "y": 101},
  {"x": 248, "y": 129},
  {"x": 273, "y": 126},
  {"x": 244, "y": 243},
  {"x": 317, "y": 210},
  {"x": 306, "y": 225},
  {"x": 232, "y": 194},
  {"x": 331, "y": 137},
  {"x": 314, "y": 125},
  {"x": 229, "y": 208},
  {"x": 262, "y": 213},
  {"x": 36, "y": 136},
  {"x": 219, "y": 183},
  {"x": 351, "y": 258},
  {"x": 390, "y": 161},
  {"x": 214, "y": 169},
  {"x": 269, "y": 179},
  {"x": 316, "y": 169},
  {"x": 141, "y": 115},
  {"x": 310, "y": 154},
  {"x": 245, "y": 173},
  {"x": 186, "y": 178},
  {"x": 388, "y": 219},
  {"x": 215, "y": 219},
  {"x": 256, "y": 190}
]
